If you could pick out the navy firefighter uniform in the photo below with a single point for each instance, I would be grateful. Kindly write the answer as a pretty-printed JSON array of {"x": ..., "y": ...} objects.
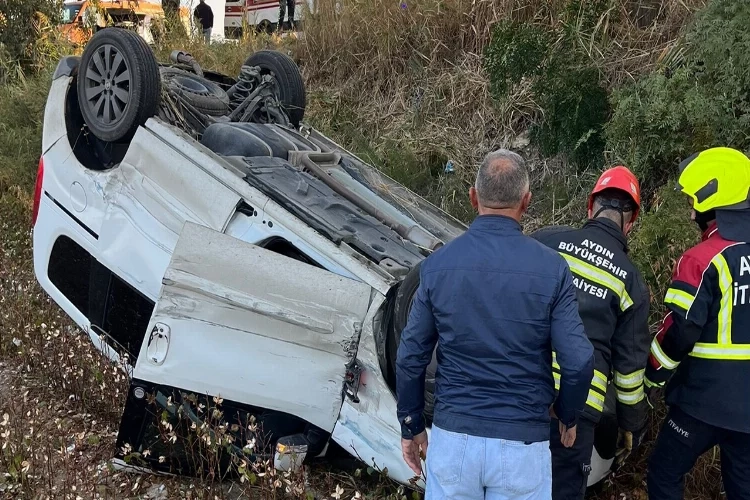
[
  {"x": 613, "y": 302},
  {"x": 702, "y": 350}
]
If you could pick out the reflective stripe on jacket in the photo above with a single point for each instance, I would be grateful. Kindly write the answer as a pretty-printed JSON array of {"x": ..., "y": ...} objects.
[
  {"x": 613, "y": 301},
  {"x": 705, "y": 338}
]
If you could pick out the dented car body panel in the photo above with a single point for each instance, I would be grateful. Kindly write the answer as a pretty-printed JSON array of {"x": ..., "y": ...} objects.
[
  {"x": 252, "y": 332},
  {"x": 367, "y": 426},
  {"x": 215, "y": 275}
]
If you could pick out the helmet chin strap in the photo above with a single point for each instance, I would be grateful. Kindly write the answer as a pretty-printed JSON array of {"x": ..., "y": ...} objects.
[
  {"x": 618, "y": 207},
  {"x": 704, "y": 218}
]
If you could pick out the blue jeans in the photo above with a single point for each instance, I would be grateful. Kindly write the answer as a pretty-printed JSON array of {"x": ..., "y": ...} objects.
[{"x": 463, "y": 467}]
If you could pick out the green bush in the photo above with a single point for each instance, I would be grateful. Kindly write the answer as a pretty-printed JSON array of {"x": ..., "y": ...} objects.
[
  {"x": 664, "y": 232},
  {"x": 575, "y": 107},
  {"x": 658, "y": 121},
  {"x": 705, "y": 102},
  {"x": 22, "y": 27},
  {"x": 517, "y": 50},
  {"x": 566, "y": 84},
  {"x": 719, "y": 50}
]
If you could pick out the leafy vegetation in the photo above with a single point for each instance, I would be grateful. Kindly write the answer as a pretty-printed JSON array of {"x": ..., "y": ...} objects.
[
  {"x": 517, "y": 51},
  {"x": 25, "y": 29},
  {"x": 575, "y": 109},
  {"x": 565, "y": 83},
  {"x": 700, "y": 99}
]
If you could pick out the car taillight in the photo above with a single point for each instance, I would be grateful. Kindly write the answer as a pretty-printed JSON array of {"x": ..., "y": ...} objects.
[{"x": 38, "y": 191}]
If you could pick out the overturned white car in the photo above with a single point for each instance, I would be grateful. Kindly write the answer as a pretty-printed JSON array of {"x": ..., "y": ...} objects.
[{"x": 198, "y": 230}]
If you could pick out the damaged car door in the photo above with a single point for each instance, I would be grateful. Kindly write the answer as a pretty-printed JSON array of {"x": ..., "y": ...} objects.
[{"x": 264, "y": 338}]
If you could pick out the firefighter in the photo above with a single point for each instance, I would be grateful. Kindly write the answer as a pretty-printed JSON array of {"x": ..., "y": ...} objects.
[
  {"x": 702, "y": 350},
  {"x": 613, "y": 302}
]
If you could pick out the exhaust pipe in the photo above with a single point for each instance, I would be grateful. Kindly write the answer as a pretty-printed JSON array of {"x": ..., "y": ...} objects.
[{"x": 181, "y": 57}]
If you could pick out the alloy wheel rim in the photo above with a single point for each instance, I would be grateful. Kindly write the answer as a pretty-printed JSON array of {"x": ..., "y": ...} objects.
[{"x": 108, "y": 84}]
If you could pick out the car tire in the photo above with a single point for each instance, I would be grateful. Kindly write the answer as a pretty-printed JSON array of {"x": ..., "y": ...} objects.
[
  {"x": 201, "y": 93},
  {"x": 402, "y": 306},
  {"x": 118, "y": 84},
  {"x": 291, "y": 88}
]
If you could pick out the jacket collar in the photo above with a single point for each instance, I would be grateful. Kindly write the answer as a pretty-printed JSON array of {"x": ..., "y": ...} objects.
[
  {"x": 710, "y": 231},
  {"x": 610, "y": 228},
  {"x": 500, "y": 223}
]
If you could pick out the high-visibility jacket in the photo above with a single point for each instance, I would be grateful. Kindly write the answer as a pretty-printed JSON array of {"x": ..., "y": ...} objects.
[
  {"x": 613, "y": 302},
  {"x": 704, "y": 340}
]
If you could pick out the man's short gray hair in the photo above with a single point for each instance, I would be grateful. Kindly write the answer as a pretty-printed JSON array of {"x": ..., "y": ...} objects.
[{"x": 502, "y": 180}]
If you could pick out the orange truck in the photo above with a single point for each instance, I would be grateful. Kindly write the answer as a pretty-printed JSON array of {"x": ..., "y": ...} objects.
[{"x": 81, "y": 19}]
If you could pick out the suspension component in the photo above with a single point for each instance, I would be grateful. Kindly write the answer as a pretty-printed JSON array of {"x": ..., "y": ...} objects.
[{"x": 247, "y": 82}]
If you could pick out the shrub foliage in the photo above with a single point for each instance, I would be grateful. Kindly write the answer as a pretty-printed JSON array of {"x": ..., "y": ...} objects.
[
  {"x": 565, "y": 83},
  {"x": 575, "y": 109},
  {"x": 23, "y": 24},
  {"x": 702, "y": 101},
  {"x": 517, "y": 50}
]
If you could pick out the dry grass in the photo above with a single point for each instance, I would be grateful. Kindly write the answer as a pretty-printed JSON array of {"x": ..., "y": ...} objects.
[
  {"x": 407, "y": 77},
  {"x": 380, "y": 38}
]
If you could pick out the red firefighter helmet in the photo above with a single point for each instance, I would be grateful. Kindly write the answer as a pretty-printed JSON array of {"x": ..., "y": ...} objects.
[{"x": 621, "y": 178}]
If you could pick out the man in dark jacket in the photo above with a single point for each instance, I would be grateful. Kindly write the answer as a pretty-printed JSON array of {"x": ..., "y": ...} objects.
[
  {"x": 496, "y": 303},
  {"x": 613, "y": 301},
  {"x": 206, "y": 17},
  {"x": 702, "y": 349}
]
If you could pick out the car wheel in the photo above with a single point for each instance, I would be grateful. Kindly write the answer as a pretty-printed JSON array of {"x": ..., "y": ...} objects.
[
  {"x": 291, "y": 88},
  {"x": 204, "y": 95},
  {"x": 402, "y": 306},
  {"x": 265, "y": 26},
  {"x": 118, "y": 84}
]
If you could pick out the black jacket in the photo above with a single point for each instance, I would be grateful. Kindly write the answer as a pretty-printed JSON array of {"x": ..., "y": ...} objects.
[
  {"x": 704, "y": 340},
  {"x": 613, "y": 301},
  {"x": 206, "y": 16}
]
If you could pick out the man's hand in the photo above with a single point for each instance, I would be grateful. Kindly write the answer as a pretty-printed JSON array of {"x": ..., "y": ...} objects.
[
  {"x": 567, "y": 435},
  {"x": 414, "y": 451},
  {"x": 624, "y": 446},
  {"x": 626, "y": 442}
]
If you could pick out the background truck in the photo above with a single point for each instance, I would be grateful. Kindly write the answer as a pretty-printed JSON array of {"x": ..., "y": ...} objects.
[
  {"x": 81, "y": 19},
  {"x": 257, "y": 14}
]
